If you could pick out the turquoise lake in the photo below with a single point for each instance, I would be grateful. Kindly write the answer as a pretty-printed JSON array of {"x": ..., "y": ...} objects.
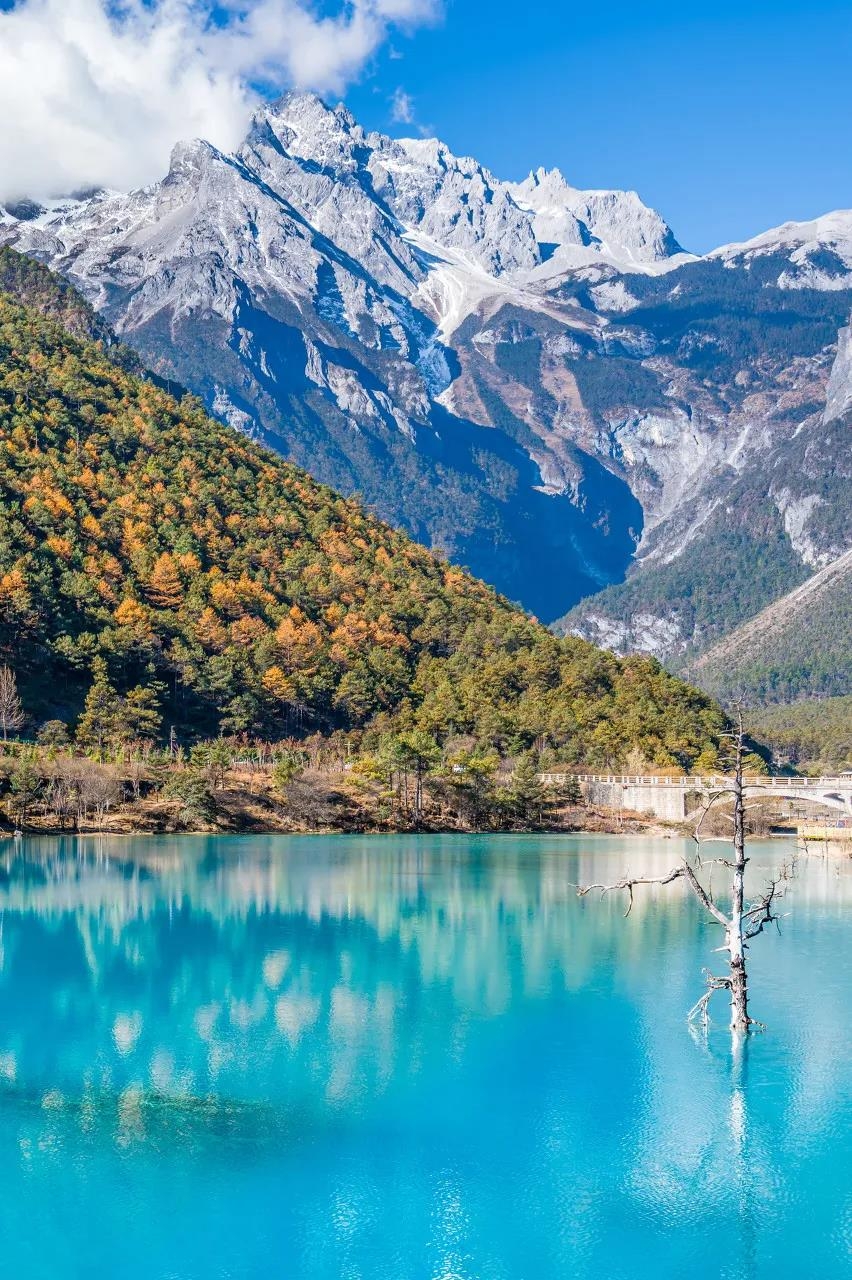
[{"x": 353, "y": 1058}]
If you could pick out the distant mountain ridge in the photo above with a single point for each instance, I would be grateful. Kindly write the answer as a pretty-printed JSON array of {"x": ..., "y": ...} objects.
[
  {"x": 798, "y": 647},
  {"x": 535, "y": 379}
]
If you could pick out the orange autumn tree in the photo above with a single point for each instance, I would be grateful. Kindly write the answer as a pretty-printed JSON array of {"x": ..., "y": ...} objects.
[{"x": 164, "y": 587}]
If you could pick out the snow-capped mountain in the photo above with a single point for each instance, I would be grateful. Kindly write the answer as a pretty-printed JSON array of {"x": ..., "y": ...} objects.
[
  {"x": 535, "y": 378},
  {"x": 615, "y": 223},
  {"x": 808, "y": 255}
]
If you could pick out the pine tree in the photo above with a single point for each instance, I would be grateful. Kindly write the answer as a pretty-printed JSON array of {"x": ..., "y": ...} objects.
[
  {"x": 102, "y": 712},
  {"x": 164, "y": 587},
  {"x": 528, "y": 796},
  {"x": 25, "y": 785},
  {"x": 287, "y": 769},
  {"x": 141, "y": 713},
  {"x": 421, "y": 753}
]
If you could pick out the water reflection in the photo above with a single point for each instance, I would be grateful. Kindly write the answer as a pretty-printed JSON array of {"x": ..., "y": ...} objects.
[{"x": 443, "y": 1061}]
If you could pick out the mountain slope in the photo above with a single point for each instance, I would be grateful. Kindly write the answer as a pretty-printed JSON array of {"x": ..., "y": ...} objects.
[
  {"x": 800, "y": 646},
  {"x": 767, "y": 324},
  {"x": 763, "y": 532},
  {"x": 201, "y": 568},
  {"x": 535, "y": 379},
  {"x": 814, "y": 734},
  {"x": 305, "y": 287}
]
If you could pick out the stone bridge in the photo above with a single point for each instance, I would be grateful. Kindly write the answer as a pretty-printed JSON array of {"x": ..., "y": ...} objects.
[{"x": 676, "y": 798}]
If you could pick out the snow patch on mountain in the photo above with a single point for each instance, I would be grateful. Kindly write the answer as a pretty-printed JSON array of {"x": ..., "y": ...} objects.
[
  {"x": 613, "y": 295},
  {"x": 456, "y": 286},
  {"x": 816, "y": 254},
  {"x": 839, "y": 392}
]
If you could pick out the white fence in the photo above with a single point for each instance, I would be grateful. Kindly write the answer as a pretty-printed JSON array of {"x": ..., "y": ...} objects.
[{"x": 699, "y": 783}]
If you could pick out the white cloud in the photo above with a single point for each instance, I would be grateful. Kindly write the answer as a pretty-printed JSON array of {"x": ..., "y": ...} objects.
[
  {"x": 402, "y": 107},
  {"x": 93, "y": 92}
]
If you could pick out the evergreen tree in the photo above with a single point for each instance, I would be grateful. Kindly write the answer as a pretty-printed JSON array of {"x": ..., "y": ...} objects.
[
  {"x": 528, "y": 797},
  {"x": 53, "y": 733},
  {"x": 25, "y": 785},
  {"x": 164, "y": 587},
  {"x": 216, "y": 758},
  {"x": 419, "y": 752},
  {"x": 101, "y": 720},
  {"x": 140, "y": 713}
]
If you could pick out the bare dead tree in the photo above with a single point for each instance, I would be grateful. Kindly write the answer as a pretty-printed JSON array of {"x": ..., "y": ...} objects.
[
  {"x": 98, "y": 789},
  {"x": 745, "y": 918},
  {"x": 61, "y": 790},
  {"x": 11, "y": 712}
]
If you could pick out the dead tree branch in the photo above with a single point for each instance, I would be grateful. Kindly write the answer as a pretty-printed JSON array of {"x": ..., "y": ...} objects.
[
  {"x": 760, "y": 913},
  {"x": 627, "y": 883},
  {"x": 714, "y": 983},
  {"x": 703, "y": 896}
]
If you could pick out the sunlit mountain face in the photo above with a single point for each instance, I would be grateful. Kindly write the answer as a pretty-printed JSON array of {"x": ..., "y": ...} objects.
[{"x": 536, "y": 379}]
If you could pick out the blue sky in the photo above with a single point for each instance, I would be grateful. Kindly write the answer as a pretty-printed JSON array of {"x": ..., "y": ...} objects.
[{"x": 728, "y": 118}]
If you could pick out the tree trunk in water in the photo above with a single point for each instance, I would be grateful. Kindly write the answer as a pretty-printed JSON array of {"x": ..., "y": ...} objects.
[
  {"x": 739, "y": 996},
  {"x": 746, "y": 919},
  {"x": 736, "y": 946}
]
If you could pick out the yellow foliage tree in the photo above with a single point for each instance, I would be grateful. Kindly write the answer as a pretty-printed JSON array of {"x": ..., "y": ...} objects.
[{"x": 164, "y": 587}]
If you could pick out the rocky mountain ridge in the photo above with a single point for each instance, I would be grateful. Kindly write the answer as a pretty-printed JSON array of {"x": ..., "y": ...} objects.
[{"x": 535, "y": 379}]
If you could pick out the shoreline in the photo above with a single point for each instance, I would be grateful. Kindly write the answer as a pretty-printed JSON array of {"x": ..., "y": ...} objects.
[
  {"x": 656, "y": 830},
  {"x": 322, "y": 802},
  {"x": 598, "y": 823}
]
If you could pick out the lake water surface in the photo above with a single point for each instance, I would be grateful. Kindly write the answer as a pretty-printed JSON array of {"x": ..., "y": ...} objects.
[{"x": 355, "y": 1058}]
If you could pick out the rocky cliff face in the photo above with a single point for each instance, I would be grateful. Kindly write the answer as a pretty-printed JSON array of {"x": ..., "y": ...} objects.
[{"x": 536, "y": 379}]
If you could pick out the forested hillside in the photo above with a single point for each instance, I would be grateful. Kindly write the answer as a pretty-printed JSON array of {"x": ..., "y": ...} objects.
[
  {"x": 51, "y": 296},
  {"x": 164, "y": 570},
  {"x": 799, "y": 647},
  {"x": 815, "y": 735}
]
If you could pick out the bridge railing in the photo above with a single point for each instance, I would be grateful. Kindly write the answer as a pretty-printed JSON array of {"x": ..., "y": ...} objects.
[{"x": 697, "y": 782}]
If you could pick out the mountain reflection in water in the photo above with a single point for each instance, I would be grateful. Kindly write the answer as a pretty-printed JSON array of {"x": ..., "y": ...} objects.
[{"x": 410, "y": 1057}]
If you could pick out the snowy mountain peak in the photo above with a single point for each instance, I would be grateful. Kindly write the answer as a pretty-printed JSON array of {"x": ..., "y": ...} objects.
[
  {"x": 431, "y": 153},
  {"x": 548, "y": 197},
  {"x": 310, "y": 129},
  {"x": 615, "y": 222},
  {"x": 620, "y": 220},
  {"x": 829, "y": 228},
  {"x": 190, "y": 158},
  {"x": 454, "y": 202},
  {"x": 542, "y": 183},
  {"x": 816, "y": 254},
  {"x": 307, "y": 113}
]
